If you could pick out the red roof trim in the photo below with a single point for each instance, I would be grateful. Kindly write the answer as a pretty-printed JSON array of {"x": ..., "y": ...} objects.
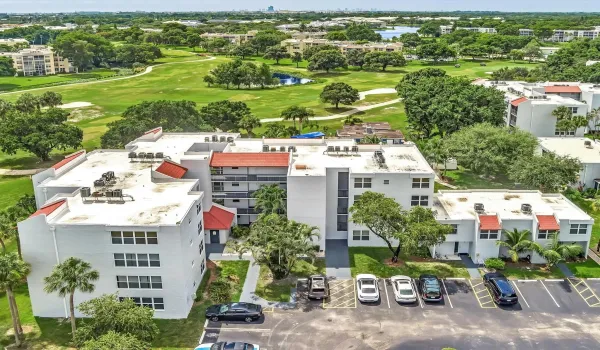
[
  {"x": 49, "y": 208},
  {"x": 218, "y": 219},
  {"x": 67, "y": 160},
  {"x": 153, "y": 131},
  {"x": 547, "y": 222},
  {"x": 489, "y": 222},
  {"x": 172, "y": 169},
  {"x": 559, "y": 89},
  {"x": 279, "y": 159},
  {"x": 518, "y": 101}
]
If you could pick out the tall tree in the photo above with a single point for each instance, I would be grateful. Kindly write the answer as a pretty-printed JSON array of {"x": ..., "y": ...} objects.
[
  {"x": 68, "y": 277},
  {"x": 248, "y": 123},
  {"x": 518, "y": 242},
  {"x": 299, "y": 113},
  {"x": 381, "y": 60},
  {"x": 297, "y": 58},
  {"x": 12, "y": 272},
  {"x": 276, "y": 53},
  {"x": 435, "y": 51},
  {"x": 533, "y": 171},
  {"x": 556, "y": 251},
  {"x": 337, "y": 36},
  {"x": 532, "y": 51},
  {"x": 356, "y": 58},
  {"x": 50, "y": 99},
  {"x": 6, "y": 67},
  {"x": 270, "y": 199},
  {"x": 327, "y": 60},
  {"x": 242, "y": 51},
  {"x": 401, "y": 230},
  {"x": 411, "y": 40},
  {"x": 430, "y": 28},
  {"x": 357, "y": 32},
  {"x": 337, "y": 93},
  {"x": 225, "y": 115},
  {"x": 278, "y": 243}
]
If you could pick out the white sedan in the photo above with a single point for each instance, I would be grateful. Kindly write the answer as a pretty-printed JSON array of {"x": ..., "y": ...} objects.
[
  {"x": 404, "y": 289},
  {"x": 367, "y": 287}
]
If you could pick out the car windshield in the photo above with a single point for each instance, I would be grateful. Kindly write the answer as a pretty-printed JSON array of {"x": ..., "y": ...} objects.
[
  {"x": 367, "y": 286},
  {"x": 406, "y": 292},
  {"x": 318, "y": 290},
  {"x": 224, "y": 308},
  {"x": 505, "y": 288},
  {"x": 368, "y": 290}
]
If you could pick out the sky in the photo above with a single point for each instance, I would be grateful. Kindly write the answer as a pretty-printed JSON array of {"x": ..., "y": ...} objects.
[{"x": 228, "y": 5}]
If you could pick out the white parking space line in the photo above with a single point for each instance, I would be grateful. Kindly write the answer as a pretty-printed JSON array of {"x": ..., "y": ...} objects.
[
  {"x": 447, "y": 295},
  {"x": 386, "y": 293},
  {"x": 521, "y": 294},
  {"x": 241, "y": 329},
  {"x": 550, "y": 294},
  {"x": 455, "y": 278},
  {"x": 418, "y": 294}
]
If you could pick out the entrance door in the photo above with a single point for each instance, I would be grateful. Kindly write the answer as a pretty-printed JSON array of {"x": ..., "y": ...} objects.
[
  {"x": 214, "y": 236},
  {"x": 455, "y": 248}
]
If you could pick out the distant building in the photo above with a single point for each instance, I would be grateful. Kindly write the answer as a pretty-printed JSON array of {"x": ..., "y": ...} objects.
[
  {"x": 39, "y": 60},
  {"x": 299, "y": 45},
  {"x": 236, "y": 39},
  {"x": 449, "y": 29},
  {"x": 270, "y": 9},
  {"x": 382, "y": 130},
  {"x": 585, "y": 150},
  {"x": 188, "y": 23},
  {"x": 526, "y": 32},
  {"x": 13, "y": 42},
  {"x": 568, "y": 35}
]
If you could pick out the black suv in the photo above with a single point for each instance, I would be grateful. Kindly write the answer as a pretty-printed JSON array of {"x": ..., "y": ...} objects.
[
  {"x": 430, "y": 288},
  {"x": 502, "y": 292}
]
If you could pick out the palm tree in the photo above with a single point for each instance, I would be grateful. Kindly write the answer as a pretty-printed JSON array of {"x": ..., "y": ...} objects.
[
  {"x": 270, "y": 199},
  {"x": 297, "y": 113},
  {"x": 68, "y": 277},
  {"x": 518, "y": 242},
  {"x": 248, "y": 123},
  {"x": 370, "y": 140},
  {"x": 12, "y": 272},
  {"x": 594, "y": 117},
  {"x": 556, "y": 251}
]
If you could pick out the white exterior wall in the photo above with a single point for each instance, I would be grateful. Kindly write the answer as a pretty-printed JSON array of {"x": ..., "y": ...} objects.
[
  {"x": 538, "y": 118},
  {"x": 588, "y": 174},
  {"x": 307, "y": 198},
  {"x": 332, "y": 203},
  {"x": 199, "y": 169}
]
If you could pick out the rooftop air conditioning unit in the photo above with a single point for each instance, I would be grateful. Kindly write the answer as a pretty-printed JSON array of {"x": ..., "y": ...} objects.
[
  {"x": 207, "y": 139},
  {"x": 330, "y": 149},
  {"x": 132, "y": 155},
  {"x": 265, "y": 148},
  {"x": 337, "y": 148},
  {"x": 273, "y": 149},
  {"x": 587, "y": 144},
  {"x": 159, "y": 155},
  {"x": 142, "y": 155},
  {"x": 230, "y": 139},
  {"x": 355, "y": 149},
  {"x": 222, "y": 139},
  {"x": 526, "y": 208},
  {"x": 282, "y": 149},
  {"x": 215, "y": 138},
  {"x": 99, "y": 183},
  {"x": 109, "y": 194},
  {"x": 346, "y": 149},
  {"x": 149, "y": 155},
  {"x": 85, "y": 192},
  {"x": 118, "y": 193},
  {"x": 479, "y": 208}
]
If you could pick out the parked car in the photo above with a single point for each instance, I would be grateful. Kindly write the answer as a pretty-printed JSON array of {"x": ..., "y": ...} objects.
[
  {"x": 404, "y": 290},
  {"x": 234, "y": 312},
  {"x": 500, "y": 288},
  {"x": 227, "y": 346},
  {"x": 430, "y": 288},
  {"x": 318, "y": 287},
  {"x": 368, "y": 290}
]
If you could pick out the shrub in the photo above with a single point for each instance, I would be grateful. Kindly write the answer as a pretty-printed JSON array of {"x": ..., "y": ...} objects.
[
  {"x": 589, "y": 193},
  {"x": 202, "y": 288},
  {"x": 572, "y": 193},
  {"x": 495, "y": 263},
  {"x": 220, "y": 291},
  {"x": 240, "y": 231}
]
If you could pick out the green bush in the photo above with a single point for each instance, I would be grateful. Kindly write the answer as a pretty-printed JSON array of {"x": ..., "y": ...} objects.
[
  {"x": 219, "y": 291},
  {"x": 572, "y": 193},
  {"x": 589, "y": 193},
  {"x": 202, "y": 288},
  {"x": 495, "y": 263},
  {"x": 240, "y": 232}
]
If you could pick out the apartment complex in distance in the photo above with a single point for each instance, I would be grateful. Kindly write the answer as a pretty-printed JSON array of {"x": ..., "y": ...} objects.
[
  {"x": 13, "y": 42},
  {"x": 38, "y": 60},
  {"x": 560, "y": 35},
  {"x": 530, "y": 105},
  {"x": 299, "y": 45},
  {"x": 450, "y": 29},
  {"x": 382, "y": 130},
  {"x": 236, "y": 39},
  {"x": 143, "y": 216},
  {"x": 587, "y": 151}
]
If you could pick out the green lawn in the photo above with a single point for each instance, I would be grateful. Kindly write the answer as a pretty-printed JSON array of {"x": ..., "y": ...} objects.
[
  {"x": 585, "y": 269},
  {"x": 464, "y": 178},
  {"x": 532, "y": 273},
  {"x": 372, "y": 260},
  {"x": 19, "y": 83},
  {"x": 12, "y": 188},
  {"x": 586, "y": 205},
  {"x": 236, "y": 271},
  {"x": 281, "y": 290}
]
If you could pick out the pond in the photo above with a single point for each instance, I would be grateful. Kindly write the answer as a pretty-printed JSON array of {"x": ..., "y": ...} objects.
[
  {"x": 396, "y": 31},
  {"x": 286, "y": 79}
]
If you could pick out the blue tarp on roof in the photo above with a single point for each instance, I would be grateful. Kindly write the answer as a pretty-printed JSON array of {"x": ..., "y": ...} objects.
[{"x": 310, "y": 135}]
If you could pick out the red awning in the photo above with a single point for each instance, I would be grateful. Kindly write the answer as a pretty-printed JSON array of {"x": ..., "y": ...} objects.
[
  {"x": 153, "y": 131},
  {"x": 49, "y": 209},
  {"x": 218, "y": 219},
  {"x": 547, "y": 222},
  {"x": 489, "y": 222},
  {"x": 230, "y": 159},
  {"x": 561, "y": 89},
  {"x": 518, "y": 101},
  {"x": 67, "y": 160},
  {"x": 172, "y": 169}
]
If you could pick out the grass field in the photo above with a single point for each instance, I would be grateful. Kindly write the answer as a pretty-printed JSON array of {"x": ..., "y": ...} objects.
[
  {"x": 19, "y": 83},
  {"x": 272, "y": 290},
  {"x": 585, "y": 269},
  {"x": 12, "y": 188}
]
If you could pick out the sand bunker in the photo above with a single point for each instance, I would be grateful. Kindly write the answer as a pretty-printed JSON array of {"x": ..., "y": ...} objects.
[{"x": 75, "y": 105}]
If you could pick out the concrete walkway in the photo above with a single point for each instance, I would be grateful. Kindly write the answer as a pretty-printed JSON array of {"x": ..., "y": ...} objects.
[
  {"x": 472, "y": 268},
  {"x": 23, "y": 172},
  {"x": 594, "y": 256},
  {"x": 337, "y": 260},
  {"x": 565, "y": 269}
]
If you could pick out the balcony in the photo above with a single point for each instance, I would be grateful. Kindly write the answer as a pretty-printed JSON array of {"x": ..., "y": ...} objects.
[
  {"x": 343, "y": 193},
  {"x": 235, "y": 195},
  {"x": 250, "y": 178}
]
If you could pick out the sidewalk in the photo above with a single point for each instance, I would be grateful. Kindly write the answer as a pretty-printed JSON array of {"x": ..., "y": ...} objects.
[
  {"x": 472, "y": 268},
  {"x": 594, "y": 256}
]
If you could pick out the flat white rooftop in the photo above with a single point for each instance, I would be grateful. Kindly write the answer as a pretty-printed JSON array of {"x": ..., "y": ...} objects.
[
  {"x": 573, "y": 147},
  {"x": 459, "y": 205},
  {"x": 151, "y": 201}
]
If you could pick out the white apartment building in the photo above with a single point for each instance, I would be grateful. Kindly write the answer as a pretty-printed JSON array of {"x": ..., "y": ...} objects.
[
  {"x": 299, "y": 45},
  {"x": 450, "y": 29},
  {"x": 529, "y": 106},
  {"x": 143, "y": 215},
  {"x": 584, "y": 149},
  {"x": 13, "y": 42},
  {"x": 236, "y": 39},
  {"x": 39, "y": 60},
  {"x": 560, "y": 35},
  {"x": 526, "y": 32},
  {"x": 479, "y": 218}
]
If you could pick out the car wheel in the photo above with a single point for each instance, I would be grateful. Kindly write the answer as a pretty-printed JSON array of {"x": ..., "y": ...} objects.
[
  {"x": 214, "y": 318},
  {"x": 248, "y": 319}
]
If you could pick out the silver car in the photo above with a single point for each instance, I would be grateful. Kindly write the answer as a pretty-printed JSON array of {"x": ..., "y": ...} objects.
[{"x": 367, "y": 288}]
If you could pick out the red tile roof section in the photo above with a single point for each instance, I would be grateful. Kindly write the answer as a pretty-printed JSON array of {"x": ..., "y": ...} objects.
[
  {"x": 67, "y": 160},
  {"x": 250, "y": 159},
  {"x": 518, "y": 101},
  {"x": 217, "y": 219},
  {"x": 489, "y": 222},
  {"x": 153, "y": 131},
  {"x": 547, "y": 222},
  {"x": 559, "y": 89},
  {"x": 172, "y": 169},
  {"x": 49, "y": 209}
]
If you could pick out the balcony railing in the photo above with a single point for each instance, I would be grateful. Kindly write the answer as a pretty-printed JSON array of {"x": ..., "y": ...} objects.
[
  {"x": 343, "y": 193},
  {"x": 222, "y": 194},
  {"x": 251, "y": 178}
]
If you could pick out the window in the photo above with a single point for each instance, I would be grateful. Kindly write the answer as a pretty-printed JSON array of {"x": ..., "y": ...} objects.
[
  {"x": 201, "y": 247},
  {"x": 154, "y": 303},
  {"x": 236, "y": 201},
  {"x": 136, "y": 260},
  {"x": 386, "y": 182},
  {"x": 139, "y": 282},
  {"x": 234, "y": 167},
  {"x": 128, "y": 237},
  {"x": 420, "y": 183},
  {"x": 419, "y": 200},
  {"x": 362, "y": 182},
  {"x": 546, "y": 234},
  {"x": 202, "y": 267},
  {"x": 454, "y": 229},
  {"x": 578, "y": 229},
  {"x": 200, "y": 228},
  {"x": 564, "y": 132},
  {"x": 360, "y": 235},
  {"x": 488, "y": 234},
  {"x": 573, "y": 109},
  {"x": 198, "y": 208},
  {"x": 235, "y": 184}
]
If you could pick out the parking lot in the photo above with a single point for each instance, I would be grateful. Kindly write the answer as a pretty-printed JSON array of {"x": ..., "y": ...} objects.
[{"x": 467, "y": 318}]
